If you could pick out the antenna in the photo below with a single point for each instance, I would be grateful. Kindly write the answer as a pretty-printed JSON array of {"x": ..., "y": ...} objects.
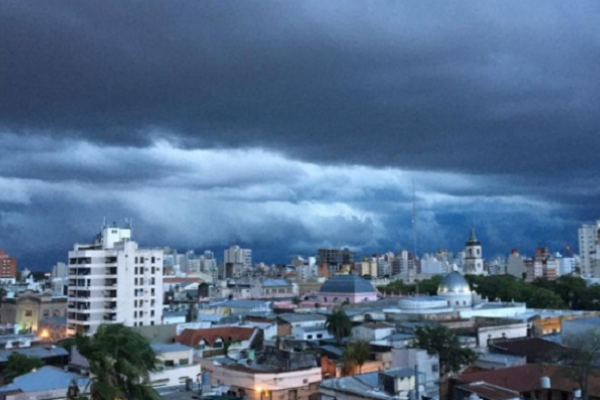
[
  {"x": 414, "y": 220},
  {"x": 103, "y": 223}
]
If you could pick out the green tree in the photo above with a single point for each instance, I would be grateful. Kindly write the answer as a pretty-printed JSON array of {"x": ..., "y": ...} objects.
[
  {"x": 544, "y": 298},
  {"x": 339, "y": 325},
  {"x": 439, "y": 340},
  {"x": 19, "y": 364},
  {"x": 357, "y": 353},
  {"x": 120, "y": 362}
]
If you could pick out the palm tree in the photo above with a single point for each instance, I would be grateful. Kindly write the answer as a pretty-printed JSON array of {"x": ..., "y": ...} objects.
[
  {"x": 120, "y": 363},
  {"x": 361, "y": 352},
  {"x": 339, "y": 325},
  {"x": 355, "y": 354}
]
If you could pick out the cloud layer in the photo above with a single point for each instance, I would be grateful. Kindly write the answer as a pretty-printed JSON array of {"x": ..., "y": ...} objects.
[{"x": 294, "y": 125}]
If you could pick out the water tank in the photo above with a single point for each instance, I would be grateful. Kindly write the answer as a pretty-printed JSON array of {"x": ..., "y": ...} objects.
[
  {"x": 545, "y": 382},
  {"x": 577, "y": 393},
  {"x": 189, "y": 384}
]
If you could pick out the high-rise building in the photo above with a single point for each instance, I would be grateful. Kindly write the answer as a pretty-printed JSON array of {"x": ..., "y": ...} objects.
[
  {"x": 237, "y": 255},
  {"x": 515, "y": 265},
  {"x": 112, "y": 280},
  {"x": 337, "y": 257},
  {"x": 589, "y": 249},
  {"x": 544, "y": 265},
  {"x": 473, "y": 263},
  {"x": 8, "y": 268}
]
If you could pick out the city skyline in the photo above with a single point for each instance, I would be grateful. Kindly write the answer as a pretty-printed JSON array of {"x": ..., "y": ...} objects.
[{"x": 296, "y": 126}]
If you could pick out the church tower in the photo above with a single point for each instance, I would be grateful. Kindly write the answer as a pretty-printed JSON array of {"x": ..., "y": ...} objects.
[{"x": 473, "y": 256}]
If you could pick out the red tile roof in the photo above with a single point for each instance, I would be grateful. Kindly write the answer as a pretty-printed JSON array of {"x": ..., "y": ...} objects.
[
  {"x": 192, "y": 337},
  {"x": 526, "y": 378},
  {"x": 488, "y": 391}
]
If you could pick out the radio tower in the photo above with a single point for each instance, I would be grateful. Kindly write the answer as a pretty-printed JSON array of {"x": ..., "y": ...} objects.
[{"x": 414, "y": 221}]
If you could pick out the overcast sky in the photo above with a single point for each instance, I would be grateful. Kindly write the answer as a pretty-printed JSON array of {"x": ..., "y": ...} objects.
[{"x": 291, "y": 125}]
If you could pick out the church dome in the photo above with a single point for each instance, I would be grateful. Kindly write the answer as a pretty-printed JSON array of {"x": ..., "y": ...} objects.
[{"x": 454, "y": 283}]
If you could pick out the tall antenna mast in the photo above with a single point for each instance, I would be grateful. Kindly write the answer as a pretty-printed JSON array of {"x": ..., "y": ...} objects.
[{"x": 414, "y": 221}]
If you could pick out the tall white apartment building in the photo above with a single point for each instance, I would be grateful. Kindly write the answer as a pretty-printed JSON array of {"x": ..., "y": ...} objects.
[
  {"x": 114, "y": 281},
  {"x": 589, "y": 249},
  {"x": 236, "y": 255}
]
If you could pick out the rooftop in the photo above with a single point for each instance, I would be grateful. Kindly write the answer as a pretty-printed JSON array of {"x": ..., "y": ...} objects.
[
  {"x": 275, "y": 282},
  {"x": 191, "y": 337},
  {"x": 161, "y": 348},
  {"x": 293, "y": 317},
  {"x": 526, "y": 378},
  {"x": 346, "y": 284},
  {"x": 45, "y": 378},
  {"x": 489, "y": 391},
  {"x": 40, "y": 352}
]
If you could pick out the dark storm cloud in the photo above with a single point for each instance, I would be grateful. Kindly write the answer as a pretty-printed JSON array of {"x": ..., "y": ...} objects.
[{"x": 483, "y": 88}]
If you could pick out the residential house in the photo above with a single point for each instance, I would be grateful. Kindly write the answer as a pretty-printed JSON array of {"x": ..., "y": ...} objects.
[
  {"x": 278, "y": 375},
  {"x": 373, "y": 331},
  {"x": 426, "y": 365},
  {"x": 217, "y": 341},
  {"x": 389, "y": 385},
  {"x": 267, "y": 288},
  {"x": 47, "y": 383},
  {"x": 484, "y": 391},
  {"x": 176, "y": 365},
  {"x": 286, "y": 323},
  {"x": 527, "y": 381}
]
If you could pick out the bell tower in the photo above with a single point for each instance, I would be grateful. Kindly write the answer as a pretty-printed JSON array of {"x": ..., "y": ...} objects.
[{"x": 473, "y": 256}]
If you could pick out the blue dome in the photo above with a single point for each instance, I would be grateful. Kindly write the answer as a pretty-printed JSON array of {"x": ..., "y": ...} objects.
[
  {"x": 455, "y": 283},
  {"x": 346, "y": 284}
]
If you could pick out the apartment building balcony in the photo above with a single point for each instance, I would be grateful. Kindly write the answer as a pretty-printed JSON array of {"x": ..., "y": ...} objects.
[
  {"x": 109, "y": 294},
  {"x": 111, "y": 305}
]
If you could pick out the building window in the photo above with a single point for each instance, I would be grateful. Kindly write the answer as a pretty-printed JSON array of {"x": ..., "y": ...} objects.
[
  {"x": 153, "y": 260},
  {"x": 309, "y": 337},
  {"x": 29, "y": 313},
  {"x": 152, "y": 313},
  {"x": 184, "y": 361},
  {"x": 135, "y": 314},
  {"x": 46, "y": 313},
  {"x": 293, "y": 394}
]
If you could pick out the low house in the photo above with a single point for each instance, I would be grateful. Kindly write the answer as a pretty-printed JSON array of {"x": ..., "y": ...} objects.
[
  {"x": 286, "y": 323},
  {"x": 217, "y": 341},
  {"x": 312, "y": 333},
  {"x": 427, "y": 366},
  {"x": 533, "y": 349},
  {"x": 176, "y": 365},
  {"x": 47, "y": 383},
  {"x": 50, "y": 355},
  {"x": 273, "y": 375},
  {"x": 373, "y": 331},
  {"x": 332, "y": 361},
  {"x": 398, "y": 340},
  {"x": 268, "y": 288},
  {"x": 527, "y": 381},
  {"x": 484, "y": 391},
  {"x": 393, "y": 384}
]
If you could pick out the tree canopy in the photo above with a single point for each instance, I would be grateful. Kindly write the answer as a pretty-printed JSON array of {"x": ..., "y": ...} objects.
[
  {"x": 356, "y": 354},
  {"x": 19, "y": 364},
  {"x": 339, "y": 325},
  {"x": 120, "y": 362},
  {"x": 565, "y": 292},
  {"x": 438, "y": 339}
]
